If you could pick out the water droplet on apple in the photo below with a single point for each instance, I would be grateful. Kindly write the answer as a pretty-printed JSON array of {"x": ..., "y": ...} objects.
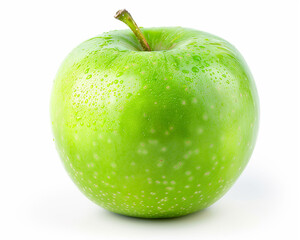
[
  {"x": 87, "y": 70},
  {"x": 128, "y": 95},
  {"x": 197, "y": 58},
  {"x": 185, "y": 71},
  {"x": 188, "y": 79},
  {"x": 89, "y": 76},
  {"x": 195, "y": 69}
]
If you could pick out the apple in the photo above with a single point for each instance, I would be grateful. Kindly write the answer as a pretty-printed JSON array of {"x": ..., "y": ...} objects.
[{"x": 154, "y": 123}]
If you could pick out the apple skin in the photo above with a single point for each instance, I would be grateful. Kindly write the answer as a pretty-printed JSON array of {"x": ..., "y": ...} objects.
[{"x": 154, "y": 134}]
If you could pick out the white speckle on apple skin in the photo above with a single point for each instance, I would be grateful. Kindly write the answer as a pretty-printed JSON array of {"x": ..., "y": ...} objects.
[{"x": 114, "y": 165}]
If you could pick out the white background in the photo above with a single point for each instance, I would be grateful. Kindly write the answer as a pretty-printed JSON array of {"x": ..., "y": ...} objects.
[{"x": 39, "y": 201}]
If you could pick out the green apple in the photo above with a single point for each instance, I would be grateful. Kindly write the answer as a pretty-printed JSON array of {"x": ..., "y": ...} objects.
[{"x": 157, "y": 123}]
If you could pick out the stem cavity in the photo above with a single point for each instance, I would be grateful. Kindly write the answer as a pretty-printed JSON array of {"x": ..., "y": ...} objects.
[{"x": 124, "y": 16}]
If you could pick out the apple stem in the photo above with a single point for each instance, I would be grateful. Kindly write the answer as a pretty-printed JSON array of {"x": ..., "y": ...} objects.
[{"x": 124, "y": 16}]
